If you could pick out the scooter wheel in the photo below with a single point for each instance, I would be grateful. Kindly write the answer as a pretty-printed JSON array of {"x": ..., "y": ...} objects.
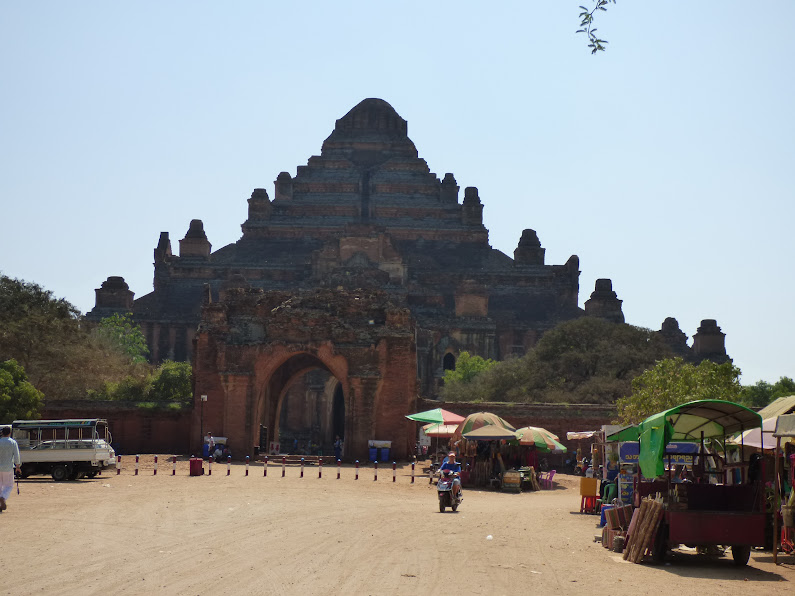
[{"x": 441, "y": 507}]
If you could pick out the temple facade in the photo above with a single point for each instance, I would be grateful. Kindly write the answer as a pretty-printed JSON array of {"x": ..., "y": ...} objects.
[{"x": 351, "y": 290}]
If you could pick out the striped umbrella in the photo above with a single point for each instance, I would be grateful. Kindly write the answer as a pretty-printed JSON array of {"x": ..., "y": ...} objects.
[
  {"x": 439, "y": 430},
  {"x": 541, "y": 438},
  {"x": 480, "y": 419}
]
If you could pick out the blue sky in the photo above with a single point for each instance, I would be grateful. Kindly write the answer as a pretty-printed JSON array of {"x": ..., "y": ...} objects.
[{"x": 664, "y": 163}]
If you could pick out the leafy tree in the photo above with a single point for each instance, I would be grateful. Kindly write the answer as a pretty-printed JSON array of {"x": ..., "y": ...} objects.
[
  {"x": 588, "y": 360},
  {"x": 763, "y": 393},
  {"x": 587, "y": 18},
  {"x": 46, "y": 335},
  {"x": 672, "y": 382},
  {"x": 173, "y": 382},
  {"x": 467, "y": 367},
  {"x": 19, "y": 400},
  {"x": 758, "y": 395},
  {"x": 126, "y": 334}
]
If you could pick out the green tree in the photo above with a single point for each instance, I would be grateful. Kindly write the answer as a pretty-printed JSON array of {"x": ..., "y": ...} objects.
[
  {"x": 467, "y": 367},
  {"x": 672, "y": 382},
  {"x": 121, "y": 331},
  {"x": 758, "y": 395},
  {"x": 61, "y": 356},
  {"x": 588, "y": 360},
  {"x": 19, "y": 400},
  {"x": 763, "y": 393},
  {"x": 173, "y": 382},
  {"x": 587, "y": 21}
]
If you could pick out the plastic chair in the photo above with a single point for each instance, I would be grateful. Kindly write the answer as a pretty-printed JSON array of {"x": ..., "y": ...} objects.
[
  {"x": 547, "y": 479},
  {"x": 589, "y": 495},
  {"x": 610, "y": 493}
]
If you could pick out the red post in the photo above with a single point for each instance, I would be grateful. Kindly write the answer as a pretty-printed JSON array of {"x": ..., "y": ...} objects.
[
  {"x": 247, "y": 465},
  {"x": 375, "y": 471},
  {"x": 265, "y": 474},
  {"x": 320, "y": 467},
  {"x": 174, "y": 466},
  {"x": 136, "y": 464},
  {"x": 118, "y": 465},
  {"x": 302, "y": 467},
  {"x": 155, "y": 472},
  {"x": 413, "y": 463},
  {"x": 228, "y": 465},
  {"x": 357, "y": 469},
  {"x": 339, "y": 467},
  {"x": 394, "y": 470},
  {"x": 284, "y": 463}
]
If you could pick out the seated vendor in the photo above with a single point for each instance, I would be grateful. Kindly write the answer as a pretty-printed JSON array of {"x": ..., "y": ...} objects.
[{"x": 455, "y": 468}]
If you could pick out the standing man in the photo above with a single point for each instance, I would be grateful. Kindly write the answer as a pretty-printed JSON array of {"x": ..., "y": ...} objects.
[
  {"x": 337, "y": 448},
  {"x": 9, "y": 458}
]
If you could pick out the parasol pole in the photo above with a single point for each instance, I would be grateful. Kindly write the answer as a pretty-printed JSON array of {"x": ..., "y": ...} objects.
[{"x": 776, "y": 504}]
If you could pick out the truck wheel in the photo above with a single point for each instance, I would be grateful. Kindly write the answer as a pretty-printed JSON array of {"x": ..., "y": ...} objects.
[
  {"x": 91, "y": 474},
  {"x": 59, "y": 473},
  {"x": 741, "y": 554}
]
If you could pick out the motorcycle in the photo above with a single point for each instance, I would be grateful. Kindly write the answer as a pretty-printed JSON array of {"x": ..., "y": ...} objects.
[{"x": 444, "y": 488}]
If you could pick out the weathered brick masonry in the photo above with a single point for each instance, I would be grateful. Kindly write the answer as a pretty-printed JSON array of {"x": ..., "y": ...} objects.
[{"x": 348, "y": 295}]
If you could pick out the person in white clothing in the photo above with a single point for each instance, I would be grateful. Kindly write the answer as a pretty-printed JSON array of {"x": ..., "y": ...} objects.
[{"x": 9, "y": 459}]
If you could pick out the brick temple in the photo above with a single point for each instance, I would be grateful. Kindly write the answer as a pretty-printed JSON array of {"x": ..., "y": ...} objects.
[{"x": 349, "y": 293}]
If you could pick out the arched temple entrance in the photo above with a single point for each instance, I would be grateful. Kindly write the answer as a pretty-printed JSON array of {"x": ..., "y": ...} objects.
[
  {"x": 307, "y": 367},
  {"x": 310, "y": 410}
]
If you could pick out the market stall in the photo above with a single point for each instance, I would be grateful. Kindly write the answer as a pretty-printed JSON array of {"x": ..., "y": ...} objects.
[{"x": 785, "y": 429}]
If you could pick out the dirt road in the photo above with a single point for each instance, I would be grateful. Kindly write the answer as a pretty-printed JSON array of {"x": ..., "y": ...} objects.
[{"x": 253, "y": 535}]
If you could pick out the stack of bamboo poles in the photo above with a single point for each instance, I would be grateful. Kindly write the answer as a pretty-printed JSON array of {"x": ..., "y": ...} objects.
[
  {"x": 530, "y": 478},
  {"x": 645, "y": 529}
]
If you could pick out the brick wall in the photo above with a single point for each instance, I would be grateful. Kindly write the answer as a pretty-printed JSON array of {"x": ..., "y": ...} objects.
[{"x": 134, "y": 430}]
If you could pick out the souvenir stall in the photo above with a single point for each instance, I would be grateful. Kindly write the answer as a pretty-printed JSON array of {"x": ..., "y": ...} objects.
[
  {"x": 784, "y": 486},
  {"x": 483, "y": 459}
]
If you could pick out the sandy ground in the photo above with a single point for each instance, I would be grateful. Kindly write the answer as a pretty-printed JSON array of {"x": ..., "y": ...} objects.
[{"x": 234, "y": 534}]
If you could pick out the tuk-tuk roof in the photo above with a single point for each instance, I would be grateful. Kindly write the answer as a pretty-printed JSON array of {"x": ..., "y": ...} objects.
[
  {"x": 713, "y": 417},
  {"x": 686, "y": 422},
  {"x": 623, "y": 435}
]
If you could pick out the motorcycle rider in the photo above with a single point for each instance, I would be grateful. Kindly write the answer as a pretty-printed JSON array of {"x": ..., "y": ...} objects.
[{"x": 455, "y": 468}]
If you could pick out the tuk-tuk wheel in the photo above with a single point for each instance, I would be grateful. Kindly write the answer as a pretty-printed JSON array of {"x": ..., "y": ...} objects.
[{"x": 741, "y": 554}]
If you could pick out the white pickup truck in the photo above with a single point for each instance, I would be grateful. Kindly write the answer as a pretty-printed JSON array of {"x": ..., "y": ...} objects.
[{"x": 66, "y": 449}]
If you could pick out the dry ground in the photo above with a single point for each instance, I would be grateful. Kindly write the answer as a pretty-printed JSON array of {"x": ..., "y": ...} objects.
[{"x": 253, "y": 535}]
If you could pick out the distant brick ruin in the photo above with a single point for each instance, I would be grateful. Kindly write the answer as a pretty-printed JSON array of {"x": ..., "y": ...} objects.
[{"x": 349, "y": 294}]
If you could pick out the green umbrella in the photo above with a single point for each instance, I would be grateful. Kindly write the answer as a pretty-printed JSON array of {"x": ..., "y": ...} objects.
[
  {"x": 541, "y": 438},
  {"x": 437, "y": 415}
]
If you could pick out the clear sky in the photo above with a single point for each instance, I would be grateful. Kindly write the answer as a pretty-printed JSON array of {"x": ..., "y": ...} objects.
[{"x": 665, "y": 163}]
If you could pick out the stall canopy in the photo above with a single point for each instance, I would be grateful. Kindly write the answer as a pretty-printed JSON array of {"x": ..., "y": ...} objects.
[
  {"x": 785, "y": 426},
  {"x": 756, "y": 437},
  {"x": 437, "y": 415},
  {"x": 708, "y": 418},
  {"x": 580, "y": 435},
  {"x": 491, "y": 432},
  {"x": 780, "y": 406}
]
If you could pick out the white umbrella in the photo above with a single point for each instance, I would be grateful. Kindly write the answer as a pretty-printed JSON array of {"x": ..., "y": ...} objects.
[{"x": 759, "y": 438}]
